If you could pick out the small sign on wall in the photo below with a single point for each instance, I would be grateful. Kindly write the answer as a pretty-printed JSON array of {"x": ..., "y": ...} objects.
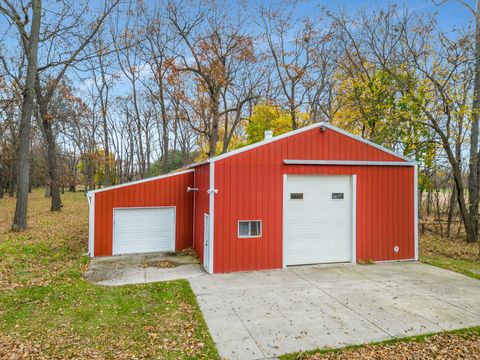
[
  {"x": 337, "y": 196},
  {"x": 296, "y": 196}
]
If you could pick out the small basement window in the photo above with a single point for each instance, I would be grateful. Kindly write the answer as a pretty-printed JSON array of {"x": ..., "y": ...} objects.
[{"x": 250, "y": 228}]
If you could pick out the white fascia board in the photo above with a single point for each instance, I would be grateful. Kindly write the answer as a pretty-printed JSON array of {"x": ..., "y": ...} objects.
[
  {"x": 379, "y": 147},
  {"x": 348, "y": 163},
  {"x": 142, "y": 181}
]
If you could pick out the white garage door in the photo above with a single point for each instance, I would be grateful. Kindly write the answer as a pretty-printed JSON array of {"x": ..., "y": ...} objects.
[
  {"x": 317, "y": 219},
  {"x": 140, "y": 230}
]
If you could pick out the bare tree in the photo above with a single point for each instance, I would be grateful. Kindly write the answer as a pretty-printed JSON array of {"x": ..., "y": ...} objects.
[
  {"x": 65, "y": 42},
  {"x": 212, "y": 41},
  {"x": 292, "y": 60},
  {"x": 30, "y": 45},
  {"x": 432, "y": 69}
]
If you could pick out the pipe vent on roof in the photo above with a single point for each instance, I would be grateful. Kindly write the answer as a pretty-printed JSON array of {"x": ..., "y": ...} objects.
[{"x": 268, "y": 134}]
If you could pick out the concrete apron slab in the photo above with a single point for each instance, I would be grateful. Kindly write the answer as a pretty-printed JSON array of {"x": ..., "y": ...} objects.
[
  {"x": 263, "y": 314},
  {"x": 142, "y": 268}
]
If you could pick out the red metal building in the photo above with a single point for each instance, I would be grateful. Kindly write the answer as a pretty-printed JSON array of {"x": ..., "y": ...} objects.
[{"x": 314, "y": 195}]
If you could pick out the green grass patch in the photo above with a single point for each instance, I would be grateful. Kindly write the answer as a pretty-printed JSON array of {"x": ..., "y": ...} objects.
[
  {"x": 466, "y": 332},
  {"x": 158, "y": 320},
  {"x": 466, "y": 267}
]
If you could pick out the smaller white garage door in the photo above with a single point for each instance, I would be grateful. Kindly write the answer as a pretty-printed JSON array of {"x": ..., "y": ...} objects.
[
  {"x": 141, "y": 230},
  {"x": 317, "y": 219}
]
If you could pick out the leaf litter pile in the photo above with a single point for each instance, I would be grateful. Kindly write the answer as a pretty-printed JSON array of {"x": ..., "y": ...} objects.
[
  {"x": 47, "y": 310},
  {"x": 445, "y": 346}
]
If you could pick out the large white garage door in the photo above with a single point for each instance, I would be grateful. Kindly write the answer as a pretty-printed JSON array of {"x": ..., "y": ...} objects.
[
  {"x": 317, "y": 219},
  {"x": 140, "y": 230}
]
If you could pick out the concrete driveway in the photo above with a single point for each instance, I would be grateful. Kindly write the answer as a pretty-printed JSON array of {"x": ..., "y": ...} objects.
[
  {"x": 262, "y": 314},
  {"x": 143, "y": 268}
]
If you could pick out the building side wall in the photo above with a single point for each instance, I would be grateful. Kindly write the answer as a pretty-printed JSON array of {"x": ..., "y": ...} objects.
[
  {"x": 250, "y": 187},
  {"x": 170, "y": 191}
]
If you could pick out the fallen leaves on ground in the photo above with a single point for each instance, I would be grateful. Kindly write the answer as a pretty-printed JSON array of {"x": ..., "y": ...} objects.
[
  {"x": 455, "y": 247},
  {"x": 164, "y": 264},
  {"x": 11, "y": 349},
  {"x": 440, "y": 347},
  {"x": 51, "y": 249}
]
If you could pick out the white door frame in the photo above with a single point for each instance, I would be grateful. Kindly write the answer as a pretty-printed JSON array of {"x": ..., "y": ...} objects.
[
  {"x": 353, "y": 217},
  {"x": 206, "y": 241},
  {"x": 145, "y": 207}
]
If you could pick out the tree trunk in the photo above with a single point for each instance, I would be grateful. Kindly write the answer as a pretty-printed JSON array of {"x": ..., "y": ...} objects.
[
  {"x": 1, "y": 184},
  {"x": 165, "y": 144},
  {"x": 420, "y": 202},
  {"x": 451, "y": 210},
  {"x": 429, "y": 202},
  {"x": 473, "y": 185},
  {"x": 106, "y": 180},
  {"x": 141, "y": 155},
  {"x": 23, "y": 153},
  {"x": 11, "y": 185},
  {"x": 213, "y": 139},
  {"x": 439, "y": 213},
  {"x": 51, "y": 157},
  {"x": 292, "y": 108}
]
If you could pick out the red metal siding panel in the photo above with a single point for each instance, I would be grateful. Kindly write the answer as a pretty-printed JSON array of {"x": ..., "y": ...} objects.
[
  {"x": 170, "y": 191},
  {"x": 202, "y": 182},
  {"x": 250, "y": 187}
]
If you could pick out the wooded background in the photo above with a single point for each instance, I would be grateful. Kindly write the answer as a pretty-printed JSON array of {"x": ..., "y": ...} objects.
[{"x": 99, "y": 93}]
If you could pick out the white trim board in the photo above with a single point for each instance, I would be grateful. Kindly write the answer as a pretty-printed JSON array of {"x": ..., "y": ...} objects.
[
  {"x": 211, "y": 213},
  {"x": 348, "y": 163},
  {"x": 284, "y": 204},
  {"x": 142, "y": 181},
  {"x": 415, "y": 210},
  {"x": 353, "y": 180},
  {"x": 91, "y": 224}
]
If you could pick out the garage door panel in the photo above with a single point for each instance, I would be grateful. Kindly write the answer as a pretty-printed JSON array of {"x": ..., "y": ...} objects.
[
  {"x": 317, "y": 227},
  {"x": 140, "y": 230}
]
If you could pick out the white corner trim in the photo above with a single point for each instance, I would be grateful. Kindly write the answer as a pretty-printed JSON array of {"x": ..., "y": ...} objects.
[
  {"x": 211, "y": 205},
  {"x": 348, "y": 163},
  {"x": 142, "y": 181},
  {"x": 354, "y": 219},
  {"x": 91, "y": 223},
  {"x": 284, "y": 265},
  {"x": 415, "y": 210}
]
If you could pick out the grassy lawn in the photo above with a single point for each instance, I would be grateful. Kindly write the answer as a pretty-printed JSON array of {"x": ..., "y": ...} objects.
[
  {"x": 48, "y": 311},
  {"x": 452, "y": 254}
]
